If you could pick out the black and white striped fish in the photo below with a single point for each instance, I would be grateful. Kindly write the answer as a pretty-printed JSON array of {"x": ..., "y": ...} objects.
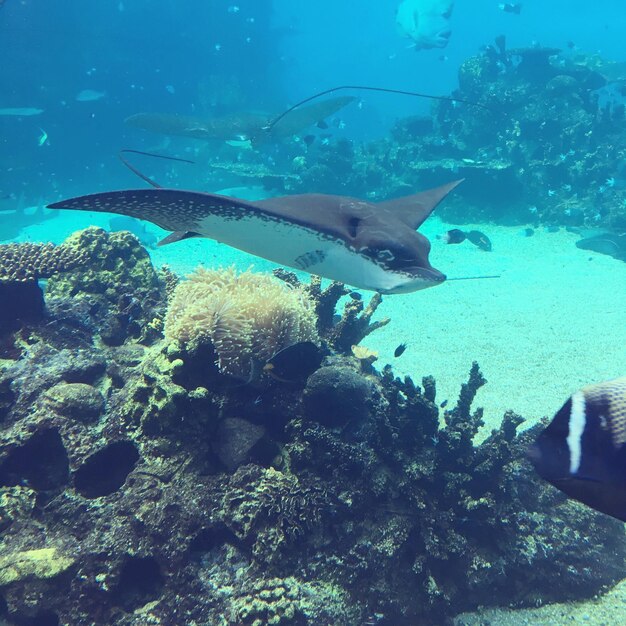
[{"x": 582, "y": 451}]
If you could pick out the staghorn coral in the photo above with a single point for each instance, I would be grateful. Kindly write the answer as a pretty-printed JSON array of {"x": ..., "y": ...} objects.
[
  {"x": 243, "y": 316},
  {"x": 355, "y": 322},
  {"x": 28, "y": 262}
]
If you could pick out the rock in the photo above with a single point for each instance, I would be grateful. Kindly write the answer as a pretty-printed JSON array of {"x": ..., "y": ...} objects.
[
  {"x": 76, "y": 401},
  {"x": 234, "y": 439},
  {"x": 41, "y": 563},
  {"x": 335, "y": 395}
]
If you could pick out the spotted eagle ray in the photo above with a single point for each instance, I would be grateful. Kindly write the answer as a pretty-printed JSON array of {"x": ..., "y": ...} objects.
[
  {"x": 372, "y": 246},
  {"x": 247, "y": 126}
]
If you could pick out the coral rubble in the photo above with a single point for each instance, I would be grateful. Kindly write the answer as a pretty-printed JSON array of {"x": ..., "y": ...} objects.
[{"x": 138, "y": 487}]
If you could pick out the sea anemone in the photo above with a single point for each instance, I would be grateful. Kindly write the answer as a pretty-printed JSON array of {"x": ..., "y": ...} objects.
[{"x": 246, "y": 317}]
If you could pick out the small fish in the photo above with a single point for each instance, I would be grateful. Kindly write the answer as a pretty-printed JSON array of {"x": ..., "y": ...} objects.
[
  {"x": 399, "y": 351},
  {"x": 295, "y": 363},
  {"x": 454, "y": 236},
  {"x": 21, "y": 111},
  {"x": 355, "y": 295},
  {"x": 529, "y": 232},
  {"x": 89, "y": 95},
  {"x": 322, "y": 124},
  {"x": 480, "y": 240},
  {"x": 582, "y": 451},
  {"x": 444, "y": 404},
  {"x": 511, "y": 7},
  {"x": 43, "y": 138}
]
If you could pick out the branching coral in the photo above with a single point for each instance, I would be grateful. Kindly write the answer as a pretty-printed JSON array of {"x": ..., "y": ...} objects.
[
  {"x": 355, "y": 322},
  {"x": 246, "y": 317}
]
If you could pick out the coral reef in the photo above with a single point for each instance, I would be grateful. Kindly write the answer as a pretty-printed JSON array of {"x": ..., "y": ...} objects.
[
  {"x": 118, "y": 285},
  {"x": 544, "y": 137},
  {"x": 136, "y": 488}
]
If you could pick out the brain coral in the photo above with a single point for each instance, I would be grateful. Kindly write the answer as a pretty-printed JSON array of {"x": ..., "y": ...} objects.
[{"x": 244, "y": 316}]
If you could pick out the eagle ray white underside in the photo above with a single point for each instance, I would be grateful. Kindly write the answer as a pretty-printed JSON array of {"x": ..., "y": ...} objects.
[{"x": 305, "y": 249}]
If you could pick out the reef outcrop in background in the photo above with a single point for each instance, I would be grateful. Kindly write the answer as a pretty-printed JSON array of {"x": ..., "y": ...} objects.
[
  {"x": 139, "y": 484},
  {"x": 546, "y": 140}
]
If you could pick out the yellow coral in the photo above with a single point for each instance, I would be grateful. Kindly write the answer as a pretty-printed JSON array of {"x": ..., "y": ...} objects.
[{"x": 244, "y": 316}]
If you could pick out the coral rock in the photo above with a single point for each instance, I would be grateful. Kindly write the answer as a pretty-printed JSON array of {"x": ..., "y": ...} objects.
[
  {"x": 234, "y": 439},
  {"x": 41, "y": 563},
  {"x": 336, "y": 395},
  {"x": 75, "y": 400}
]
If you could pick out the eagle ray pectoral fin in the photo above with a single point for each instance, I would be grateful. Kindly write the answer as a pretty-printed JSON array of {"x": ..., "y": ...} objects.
[{"x": 178, "y": 235}]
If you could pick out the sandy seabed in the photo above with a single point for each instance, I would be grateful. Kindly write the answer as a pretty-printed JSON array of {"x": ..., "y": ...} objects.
[{"x": 554, "y": 320}]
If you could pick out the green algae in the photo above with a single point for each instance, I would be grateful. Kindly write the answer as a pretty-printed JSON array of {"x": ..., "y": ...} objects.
[{"x": 41, "y": 563}]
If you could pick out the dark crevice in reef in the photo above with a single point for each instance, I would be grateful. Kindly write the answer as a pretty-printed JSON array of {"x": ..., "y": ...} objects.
[
  {"x": 45, "y": 618},
  {"x": 41, "y": 463},
  {"x": 211, "y": 538},
  {"x": 105, "y": 471},
  {"x": 7, "y": 397},
  {"x": 140, "y": 581},
  {"x": 20, "y": 301}
]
